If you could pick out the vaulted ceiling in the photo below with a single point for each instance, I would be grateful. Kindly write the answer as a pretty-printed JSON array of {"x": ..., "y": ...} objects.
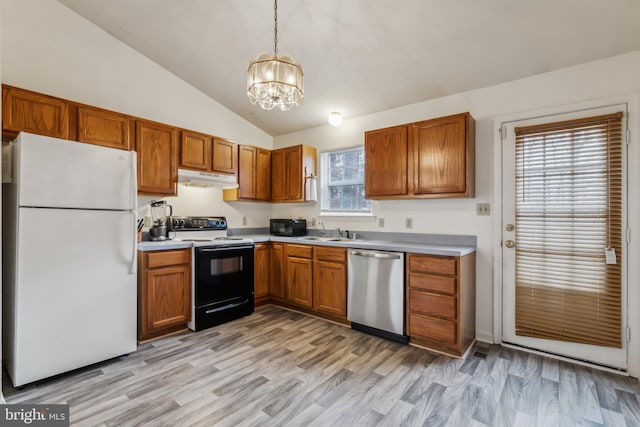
[{"x": 364, "y": 56}]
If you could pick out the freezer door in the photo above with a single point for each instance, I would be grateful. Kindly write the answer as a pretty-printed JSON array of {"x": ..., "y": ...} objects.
[
  {"x": 75, "y": 297},
  {"x": 57, "y": 173}
]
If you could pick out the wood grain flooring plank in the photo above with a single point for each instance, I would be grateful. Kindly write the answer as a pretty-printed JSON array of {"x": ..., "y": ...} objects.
[
  {"x": 630, "y": 407},
  {"x": 489, "y": 399},
  {"x": 396, "y": 415},
  {"x": 424, "y": 408},
  {"x": 588, "y": 403},
  {"x": 568, "y": 397},
  {"x": 466, "y": 406},
  {"x": 532, "y": 378},
  {"x": 550, "y": 369},
  {"x": 548, "y": 404},
  {"x": 509, "y": 399}
]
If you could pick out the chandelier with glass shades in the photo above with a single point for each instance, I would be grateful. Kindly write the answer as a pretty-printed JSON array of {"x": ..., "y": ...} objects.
[{"x": 275, "y": 81}]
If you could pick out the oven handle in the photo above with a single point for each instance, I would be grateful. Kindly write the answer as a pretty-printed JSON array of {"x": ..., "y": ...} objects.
[
  {"x": 223, "y": 248},
  {"x": 226, "y": 307}
]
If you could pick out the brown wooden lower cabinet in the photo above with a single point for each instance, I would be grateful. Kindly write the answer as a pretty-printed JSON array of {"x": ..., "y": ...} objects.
[
  {"x": 164, "y": 292},
  {"x": 311, "y": 279},
  {"x": 441, "y": 301},
  {"x": 330, "y": 280}
]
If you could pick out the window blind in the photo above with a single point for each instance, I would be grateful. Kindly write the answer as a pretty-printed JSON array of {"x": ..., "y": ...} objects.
[{"x": 568, "y": 210}]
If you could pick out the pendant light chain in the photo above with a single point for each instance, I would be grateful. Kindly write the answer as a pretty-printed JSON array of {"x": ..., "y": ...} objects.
[{"x": 275, "y": 28}]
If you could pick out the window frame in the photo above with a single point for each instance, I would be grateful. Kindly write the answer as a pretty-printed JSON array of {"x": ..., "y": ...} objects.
[{"x": 325, "y": 210}]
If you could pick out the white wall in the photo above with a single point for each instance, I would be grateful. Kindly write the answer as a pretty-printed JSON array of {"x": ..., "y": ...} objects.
[
  {"x": 50, "y": 49},
  {"x": 602, "y": 79}
]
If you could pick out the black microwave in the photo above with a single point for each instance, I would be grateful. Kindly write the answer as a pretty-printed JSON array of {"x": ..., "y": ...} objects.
[{"x": 288, "y": 227}]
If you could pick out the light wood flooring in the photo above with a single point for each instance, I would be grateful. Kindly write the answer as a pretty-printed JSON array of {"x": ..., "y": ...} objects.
[{"x": 278, "y": 367}]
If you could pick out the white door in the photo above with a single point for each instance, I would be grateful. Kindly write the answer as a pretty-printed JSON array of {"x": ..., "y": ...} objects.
[
  {"x": 550, "y": 244},
  {"x": 76, "y": 296},
  {"x": 54, "y": 172}
]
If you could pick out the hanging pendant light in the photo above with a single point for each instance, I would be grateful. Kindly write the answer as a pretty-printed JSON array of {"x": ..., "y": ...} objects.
[{"x": 275, "y": 80}]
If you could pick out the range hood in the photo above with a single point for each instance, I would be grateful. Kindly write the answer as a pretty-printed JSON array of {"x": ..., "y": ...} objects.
[{"x": 207, "y": 179}]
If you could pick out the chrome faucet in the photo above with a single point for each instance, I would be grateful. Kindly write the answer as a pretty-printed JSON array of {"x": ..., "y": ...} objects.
[
  {"x": 339, "y": 232},
  {"x": 324, "y": 230}
]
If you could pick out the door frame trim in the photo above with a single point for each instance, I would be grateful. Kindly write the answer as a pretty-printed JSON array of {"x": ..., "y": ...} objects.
[{"x": 633, "y": 213}]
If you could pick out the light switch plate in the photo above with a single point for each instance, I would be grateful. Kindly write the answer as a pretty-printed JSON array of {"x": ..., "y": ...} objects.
[
  {"x": 408, "y": 223},
  {"x": 381, "y": 222}
]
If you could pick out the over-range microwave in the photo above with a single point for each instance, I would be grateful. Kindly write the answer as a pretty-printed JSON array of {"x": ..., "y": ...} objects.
[{"x": 288, "y": 227}]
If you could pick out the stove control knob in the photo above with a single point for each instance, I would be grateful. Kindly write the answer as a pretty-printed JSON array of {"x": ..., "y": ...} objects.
[
  {"x": 223, "y": 223},
  {"x": 175, "y": 223},
  {"x": 182, "y": 223}
]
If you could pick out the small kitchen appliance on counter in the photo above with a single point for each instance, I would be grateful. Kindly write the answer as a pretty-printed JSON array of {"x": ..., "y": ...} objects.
[
  {"x": 288, "y": 227},
  {"x": 222, "y": 275},
  {"x": 160, "y": 210}
]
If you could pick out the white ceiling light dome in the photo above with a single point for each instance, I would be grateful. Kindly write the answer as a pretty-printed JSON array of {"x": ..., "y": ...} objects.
[{"x": 335, "y": 118}]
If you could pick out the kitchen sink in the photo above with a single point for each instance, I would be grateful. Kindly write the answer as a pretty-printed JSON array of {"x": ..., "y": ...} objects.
[{"x": 326, "y": 239}]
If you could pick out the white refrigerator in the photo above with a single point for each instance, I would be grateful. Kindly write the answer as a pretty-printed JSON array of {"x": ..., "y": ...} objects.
[{"x": 69, "y": 257}]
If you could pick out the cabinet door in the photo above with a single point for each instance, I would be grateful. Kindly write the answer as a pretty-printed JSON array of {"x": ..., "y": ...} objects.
[
  {"x": 263, "y": 174},
  {"x": 330, "y": 287},
  {"x": 102, "y": 127},
  {"x": 294, "y": 186},
  {"x": 299, "y": 281},
  {"x": 439, "y": 155},
  {"x": 386, "y": 154},
  {"x": 278, "y": 176},
  {"x": 195, "y": 151},
  {"x": 225, "y": 157},
  {"x": 27, "y": 111},
  {"x": 168, "y": 297},
  {"x": 276, "y": 285},
  {"x": 156, "y": 145},
  {"x": 262, "y": 264},
  {"x": 246, "y": 172}
]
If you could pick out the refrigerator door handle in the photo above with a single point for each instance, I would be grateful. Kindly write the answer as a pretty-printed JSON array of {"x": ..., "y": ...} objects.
[
  {"x": 134, "y": 212},
  {"x": 134, "y": 244}
]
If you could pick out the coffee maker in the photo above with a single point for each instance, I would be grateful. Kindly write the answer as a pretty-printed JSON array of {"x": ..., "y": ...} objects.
[{"x": 160, "y": 212}]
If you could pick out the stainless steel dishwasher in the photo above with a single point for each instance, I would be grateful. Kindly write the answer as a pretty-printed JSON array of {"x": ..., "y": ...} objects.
[{"x": 375, "y": 303}]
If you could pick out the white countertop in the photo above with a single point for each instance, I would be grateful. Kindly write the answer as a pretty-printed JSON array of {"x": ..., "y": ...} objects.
[{"x": 381, "y": 245}]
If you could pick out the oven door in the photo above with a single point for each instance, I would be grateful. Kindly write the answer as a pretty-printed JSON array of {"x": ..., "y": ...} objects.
[{"x": 223, "y": 273}]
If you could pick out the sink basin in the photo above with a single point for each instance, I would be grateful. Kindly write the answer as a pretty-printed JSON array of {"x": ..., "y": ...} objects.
[{"x": 326, "y": 239}]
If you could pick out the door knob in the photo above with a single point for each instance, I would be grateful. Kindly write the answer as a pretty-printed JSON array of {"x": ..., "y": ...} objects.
[{"x": 509, "y": 243}]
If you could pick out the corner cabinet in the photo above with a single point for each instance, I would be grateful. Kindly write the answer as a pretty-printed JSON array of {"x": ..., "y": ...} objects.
[
  {"x": 156, "y": 145},
  {"x": 429, "y": 159},
  {"x": 289, "y": 167},
  {"x": 254, "y": 175},
  {"x": 441, "y": 302},
  {"x": 164, "y": 292}
]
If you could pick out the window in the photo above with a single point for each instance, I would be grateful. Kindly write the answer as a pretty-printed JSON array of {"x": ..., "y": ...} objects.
[{"x": 343, "y": 182}]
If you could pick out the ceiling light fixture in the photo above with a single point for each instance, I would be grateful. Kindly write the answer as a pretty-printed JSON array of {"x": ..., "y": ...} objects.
[
  {"x": 335, "y": 118},
  {"x": 275, "y": 80}
]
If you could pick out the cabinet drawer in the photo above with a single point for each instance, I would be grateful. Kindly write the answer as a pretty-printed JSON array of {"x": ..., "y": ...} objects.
[
  {"x": 164, "y": 258},
  {"x": 433, "y": 264},
  {"x": 331, "y": 254},
  {"x": 432, "y": 304},
  {"x": 445, "y": 285},
  {"x": 300, "y": 251},
  {"x": 440, "y": 330}
]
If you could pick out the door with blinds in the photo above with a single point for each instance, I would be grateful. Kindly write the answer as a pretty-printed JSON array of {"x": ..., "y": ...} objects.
[{"x": 564, "y": 235}]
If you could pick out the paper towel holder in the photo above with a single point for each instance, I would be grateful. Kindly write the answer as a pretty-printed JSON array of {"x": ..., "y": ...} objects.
[{"x": 310, "y": 187}]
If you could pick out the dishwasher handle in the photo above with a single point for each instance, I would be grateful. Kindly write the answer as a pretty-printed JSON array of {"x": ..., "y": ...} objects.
[{"x": 379, "y": 255}]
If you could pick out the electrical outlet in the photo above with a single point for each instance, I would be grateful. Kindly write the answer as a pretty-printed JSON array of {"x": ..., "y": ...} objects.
[
  {"x": 381, "y": 222},
  {"x": 483, "y": 209},
  {"x": 408, "y": 223},
  {"x": 244, "y": 220},
  {"x": 147, "y": 221},
  {"x": 313, "y": 222}
]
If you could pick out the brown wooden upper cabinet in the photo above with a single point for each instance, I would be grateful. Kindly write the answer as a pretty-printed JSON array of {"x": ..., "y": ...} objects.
[
  {"x": 27, "y": 111},
  {"x": 289, "y": 166},
  {"x": 195, "y": 151},
  {"x": 156, "y": 145},
  {"x": 103, "y": 127},
  {"x": 225, "y": 157},
  {"x": 254, "y": 175},
  {"x": 429, "y": 159}
]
